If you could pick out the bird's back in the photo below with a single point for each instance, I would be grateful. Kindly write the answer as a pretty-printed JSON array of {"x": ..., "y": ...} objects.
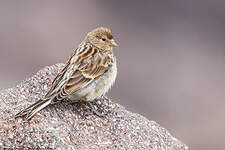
[{"x": 79, "y": 79}]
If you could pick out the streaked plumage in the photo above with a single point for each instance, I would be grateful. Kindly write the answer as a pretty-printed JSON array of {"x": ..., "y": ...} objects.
[{"x": 89, "y": 73}]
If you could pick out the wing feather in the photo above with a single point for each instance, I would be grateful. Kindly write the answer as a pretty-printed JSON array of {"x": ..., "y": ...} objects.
[{"x": 89, "y": 66}]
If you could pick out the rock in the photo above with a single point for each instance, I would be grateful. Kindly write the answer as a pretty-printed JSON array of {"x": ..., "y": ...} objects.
[{"x": 66, "y": 126}]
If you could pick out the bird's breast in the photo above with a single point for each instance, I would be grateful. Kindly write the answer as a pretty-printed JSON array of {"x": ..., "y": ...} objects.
[{"x": 98, "y": 87}]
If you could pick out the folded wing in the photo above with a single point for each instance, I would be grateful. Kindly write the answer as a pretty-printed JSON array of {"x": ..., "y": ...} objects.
[{"x": 84, "y": 67}]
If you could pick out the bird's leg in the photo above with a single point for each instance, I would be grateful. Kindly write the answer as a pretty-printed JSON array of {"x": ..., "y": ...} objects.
[
  {"x": 87, "y": 104},
  {"x": 96, "y": 112},
  {"x": 105, "y": 98},
  {"x": 76, "y": 103},
  {"x": 73, "y": 102}
]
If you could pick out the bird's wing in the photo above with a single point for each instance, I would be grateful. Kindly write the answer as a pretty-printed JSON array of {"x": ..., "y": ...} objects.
[{"x": 82, "y": 68}]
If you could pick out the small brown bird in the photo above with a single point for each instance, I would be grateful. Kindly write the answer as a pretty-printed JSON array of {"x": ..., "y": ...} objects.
[{"x": 89, "y": 73}]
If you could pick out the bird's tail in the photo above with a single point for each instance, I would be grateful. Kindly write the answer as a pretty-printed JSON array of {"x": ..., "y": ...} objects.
[{"x": 30, "y": 111}]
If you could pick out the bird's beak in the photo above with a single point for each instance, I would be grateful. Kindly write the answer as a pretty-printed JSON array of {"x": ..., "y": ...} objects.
[{"x": 114, "y": 44}]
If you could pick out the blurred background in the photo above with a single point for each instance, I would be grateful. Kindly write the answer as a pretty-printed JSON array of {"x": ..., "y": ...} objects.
[{"x": 171, "y": 58}]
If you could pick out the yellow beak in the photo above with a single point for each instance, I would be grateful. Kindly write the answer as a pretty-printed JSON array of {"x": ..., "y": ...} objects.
[{"x": 114, "y": 44}]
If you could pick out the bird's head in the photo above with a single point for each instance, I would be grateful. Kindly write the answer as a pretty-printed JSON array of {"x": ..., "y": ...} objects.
[{"x": 102, "y": 38}]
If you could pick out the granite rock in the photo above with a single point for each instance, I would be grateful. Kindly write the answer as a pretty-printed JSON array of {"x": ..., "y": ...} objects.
[{"x": 74, "y": 126}]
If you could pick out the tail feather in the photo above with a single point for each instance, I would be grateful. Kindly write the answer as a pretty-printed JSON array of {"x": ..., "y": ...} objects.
[{"x": 30, "y": 111}]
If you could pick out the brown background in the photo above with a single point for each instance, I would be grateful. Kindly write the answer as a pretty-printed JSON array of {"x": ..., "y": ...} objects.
[{"x": 171, "y": 55}]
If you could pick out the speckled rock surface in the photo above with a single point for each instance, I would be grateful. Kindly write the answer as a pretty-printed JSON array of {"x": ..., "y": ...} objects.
[{"x": 66, "y": 126}]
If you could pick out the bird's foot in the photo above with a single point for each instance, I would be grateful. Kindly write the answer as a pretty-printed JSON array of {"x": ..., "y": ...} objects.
[
  {"x": 105, "y": 98},
  {"x": 97, "y": 112}
]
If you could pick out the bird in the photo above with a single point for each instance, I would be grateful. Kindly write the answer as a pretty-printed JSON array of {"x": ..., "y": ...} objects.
[{"x": 88, "y": 75}]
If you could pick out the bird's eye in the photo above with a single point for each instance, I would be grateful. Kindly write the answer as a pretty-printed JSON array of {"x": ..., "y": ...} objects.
[{"x": 103, "y": 39}]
